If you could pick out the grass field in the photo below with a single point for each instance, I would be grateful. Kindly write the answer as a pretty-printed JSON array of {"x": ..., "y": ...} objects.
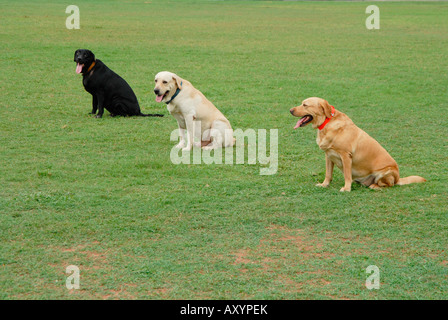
[{"x": 102, "y": 194}]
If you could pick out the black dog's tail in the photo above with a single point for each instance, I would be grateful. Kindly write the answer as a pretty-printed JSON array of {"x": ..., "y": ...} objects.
[{"x": 151, "y": 115}]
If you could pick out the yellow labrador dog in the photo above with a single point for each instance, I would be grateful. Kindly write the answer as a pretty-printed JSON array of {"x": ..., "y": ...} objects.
[
  {"x": 188, "y": 105},
  {"x": 358, "y": 155}
]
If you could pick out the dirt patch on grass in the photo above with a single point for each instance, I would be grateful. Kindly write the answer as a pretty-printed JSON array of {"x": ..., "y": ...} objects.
[
  {"x": 241, "y": 257},
  {"x": 285, "y": 257},
  {"x": 121, "y": 293},
  {"x": 282, "y": 244},
  {"x": 81, "y": 255},
  {"x": 93, "y": 264}
]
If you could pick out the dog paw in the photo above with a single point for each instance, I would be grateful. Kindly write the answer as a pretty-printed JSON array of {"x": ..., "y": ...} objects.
[
  {"x": 98, "y": 116},
  {"x": 181, "y": 145},
  {"x": 187, "y": 148},
  {"x": 322, "y": 185},
  {"x": 344, "y": 189}
]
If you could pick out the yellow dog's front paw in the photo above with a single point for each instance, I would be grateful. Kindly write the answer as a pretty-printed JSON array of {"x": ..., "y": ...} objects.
[
  {"x": 345, "y": 189},
  {"x": 180, "y": 145},
  {"x": 322, "y": 185}
]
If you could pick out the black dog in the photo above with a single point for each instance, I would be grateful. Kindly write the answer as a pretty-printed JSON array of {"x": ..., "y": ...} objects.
[{"x": 108, "y": 89}]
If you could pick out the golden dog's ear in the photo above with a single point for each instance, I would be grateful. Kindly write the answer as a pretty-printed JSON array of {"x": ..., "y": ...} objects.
[
  {"x": 178, "y": 81},
  {"x": 327, "y": 108}
]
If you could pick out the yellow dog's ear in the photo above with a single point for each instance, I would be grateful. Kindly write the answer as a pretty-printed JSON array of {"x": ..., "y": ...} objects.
[
  {"x": 327, "y": 108},
  {"x": 178, "y": 81}
]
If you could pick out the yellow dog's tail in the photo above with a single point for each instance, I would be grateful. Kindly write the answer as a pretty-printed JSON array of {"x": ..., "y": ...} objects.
[{"x": 410, "y": 179}]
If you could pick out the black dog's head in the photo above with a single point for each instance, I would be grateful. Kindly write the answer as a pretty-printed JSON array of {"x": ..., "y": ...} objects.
[{"x": 83, "y": 59}]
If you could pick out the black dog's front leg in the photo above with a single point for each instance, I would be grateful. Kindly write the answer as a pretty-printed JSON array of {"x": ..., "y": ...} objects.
[
  {"x": 100, "y": 106},
  {"x": 94, "y": 104}
]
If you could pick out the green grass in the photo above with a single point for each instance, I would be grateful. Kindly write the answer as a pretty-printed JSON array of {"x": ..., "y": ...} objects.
[{"x": 103, "y": 194}]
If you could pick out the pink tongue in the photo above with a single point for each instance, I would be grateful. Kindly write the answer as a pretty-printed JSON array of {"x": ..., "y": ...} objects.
[
  {"x": 159, "y": 98},
  {"x": 298, "y": 123},
  {"x": 79, "y": 68}
]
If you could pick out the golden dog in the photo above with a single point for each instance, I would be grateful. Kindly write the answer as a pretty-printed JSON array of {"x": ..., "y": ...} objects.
[{"x": 358, "y": 155}]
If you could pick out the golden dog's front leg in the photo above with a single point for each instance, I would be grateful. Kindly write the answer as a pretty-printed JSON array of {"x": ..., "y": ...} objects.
[
  {"x": 329, "y": 165},
  {"x": 347, "y": 170}
]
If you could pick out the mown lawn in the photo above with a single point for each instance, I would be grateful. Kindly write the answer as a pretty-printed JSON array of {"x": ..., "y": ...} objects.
[{"x": 103, "y": 194}]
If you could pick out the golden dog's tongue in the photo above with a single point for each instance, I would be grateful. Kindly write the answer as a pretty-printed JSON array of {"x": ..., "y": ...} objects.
[
  {"x": 299, "y": 123},
  {"x": 79, "y": 67},
  {"x": 159, "y": 98}
]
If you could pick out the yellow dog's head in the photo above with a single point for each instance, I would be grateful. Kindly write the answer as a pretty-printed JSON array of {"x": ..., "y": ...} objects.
[{"x": 166, "y": 84}]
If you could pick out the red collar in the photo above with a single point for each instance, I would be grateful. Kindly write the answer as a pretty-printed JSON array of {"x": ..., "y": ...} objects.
[{"x": 327, "y": 119}]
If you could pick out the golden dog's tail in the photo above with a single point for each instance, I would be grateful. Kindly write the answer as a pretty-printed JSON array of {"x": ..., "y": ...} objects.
[{"x": 410, "y": 179}]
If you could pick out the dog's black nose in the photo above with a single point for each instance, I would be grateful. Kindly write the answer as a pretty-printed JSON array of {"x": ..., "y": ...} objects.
[
  {"x": 156, "y": 91},
  {"x": 292, "y": 111}
]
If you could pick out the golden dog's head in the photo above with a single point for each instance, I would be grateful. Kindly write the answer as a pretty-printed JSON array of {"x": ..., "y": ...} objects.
[
  {"x": 166, "y": 85},
  {"x": 312, "y": 110}
]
